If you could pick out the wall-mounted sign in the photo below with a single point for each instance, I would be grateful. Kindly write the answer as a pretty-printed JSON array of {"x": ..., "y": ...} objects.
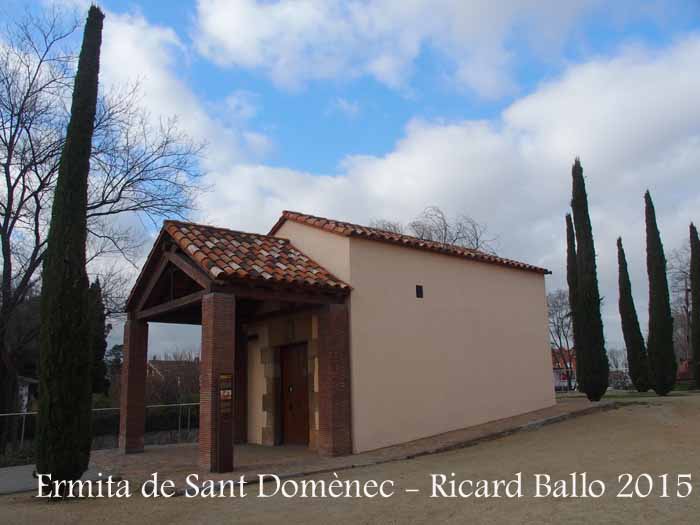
[
  {"x": 226, "y": 395},
  {"x": 224, "y": 456}
]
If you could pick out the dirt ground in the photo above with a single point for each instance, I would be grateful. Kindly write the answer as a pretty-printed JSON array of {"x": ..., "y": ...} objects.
[{"x": 662, "y": 437}]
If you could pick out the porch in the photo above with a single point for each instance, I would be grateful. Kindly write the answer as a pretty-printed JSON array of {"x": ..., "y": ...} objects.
[{"x": 274, "y": 362}]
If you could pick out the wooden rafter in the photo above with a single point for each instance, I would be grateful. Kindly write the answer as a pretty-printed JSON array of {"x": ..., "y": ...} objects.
[
  {"x": 276, "y": 292},
  {"x": 171, "y": 306},
  {"x": 151, "y": 283},
  {"x": 195, "y": 273}
]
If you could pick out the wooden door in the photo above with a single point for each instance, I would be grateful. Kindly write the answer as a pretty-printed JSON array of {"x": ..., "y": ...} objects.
[{"x": 295, "y": 395}]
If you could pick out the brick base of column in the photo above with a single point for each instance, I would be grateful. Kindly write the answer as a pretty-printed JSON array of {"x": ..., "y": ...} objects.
[
  {"x": 334, "y": 410},
  {"x": 132, "y": 413}
]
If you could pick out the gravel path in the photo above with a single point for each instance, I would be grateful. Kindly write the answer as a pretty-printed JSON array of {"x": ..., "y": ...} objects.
[{"x": 656, "y": 439}]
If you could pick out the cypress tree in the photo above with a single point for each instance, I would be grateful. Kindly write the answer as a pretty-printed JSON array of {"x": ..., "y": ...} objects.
[
  {"x": 634, "y": 340},
  {"x": 63, "y": 433},
  {"x": 590, "y": 346},
  {"x": 572, "y": 281},
  {"x": 98, "y": 338},
  {"x": 695, "y": 302},
  {"x": 662, "y": 359}
]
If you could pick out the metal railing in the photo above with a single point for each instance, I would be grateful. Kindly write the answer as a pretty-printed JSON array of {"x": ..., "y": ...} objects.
[{"x": 23, "y": 416}]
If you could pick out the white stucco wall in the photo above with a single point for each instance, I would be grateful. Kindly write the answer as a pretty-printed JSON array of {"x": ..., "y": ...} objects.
[
  {"x": 329, "y": 250},
  {"x": 474, "y": 349},
  {"x": 256, "y": 384}
]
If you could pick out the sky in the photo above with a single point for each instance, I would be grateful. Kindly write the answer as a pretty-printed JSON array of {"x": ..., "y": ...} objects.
[{"x": 361, "y": 110}]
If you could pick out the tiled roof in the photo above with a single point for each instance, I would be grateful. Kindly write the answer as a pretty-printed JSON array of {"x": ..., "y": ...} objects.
[
  {"x": 232, "y": 255},
  {"x": 354, "y": 230}
]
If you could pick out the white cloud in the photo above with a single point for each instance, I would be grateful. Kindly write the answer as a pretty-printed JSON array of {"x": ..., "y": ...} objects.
[
  {"x": 294, "y": 41},
  {"x": 633, "y": 119},
  {"x": 155, "y": 56},
  {"x": 348, "y": 108},
  {"x": 242, "y": 105}
]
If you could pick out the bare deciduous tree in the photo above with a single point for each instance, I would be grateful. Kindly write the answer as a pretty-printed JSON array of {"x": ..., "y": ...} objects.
[
  {"x": 173, "y": 378},
  {"x": 679, "y": 284},
  {"x": 388, "y": 226},
  {"x": 561, "y": 332},
  {"x": 138, "y": 168},
  {"x": 618, "y": 359},
  {"x": 434, "y": 225}
]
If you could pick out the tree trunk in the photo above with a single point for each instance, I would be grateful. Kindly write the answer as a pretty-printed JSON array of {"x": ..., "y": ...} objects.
[{"x": 8, "y": 392}]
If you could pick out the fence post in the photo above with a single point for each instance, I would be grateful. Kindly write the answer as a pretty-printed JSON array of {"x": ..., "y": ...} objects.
[{"x": 21, "y": 436}]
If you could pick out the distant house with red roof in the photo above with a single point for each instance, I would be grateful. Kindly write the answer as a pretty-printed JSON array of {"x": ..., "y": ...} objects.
[
  {"x": 172, "y": 380},
  {"x": 685, "y": 373},
  {"x": 564, "y": 369}
]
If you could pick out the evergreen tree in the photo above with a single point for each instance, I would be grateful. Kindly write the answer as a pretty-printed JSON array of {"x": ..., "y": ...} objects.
[
  {"x": 114, "y": 358},
  {"x": 63, "y": 433},
  {"x": 695, "y": 302},
  {"x": 662, "y": 359},
  {"x": 98, "y": 339},
  {"x": 572, "y": 281},
  {"x": 634, "y": 340},
  {"x": 592, "y": 360}
]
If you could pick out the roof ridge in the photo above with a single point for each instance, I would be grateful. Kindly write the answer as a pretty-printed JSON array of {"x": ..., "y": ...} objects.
[
  {"x": 221, "y": 228},
  {"x": 349, "y": 229},
  {"x": 429, "y": 241},
  {"x": 385, "y": 231}
]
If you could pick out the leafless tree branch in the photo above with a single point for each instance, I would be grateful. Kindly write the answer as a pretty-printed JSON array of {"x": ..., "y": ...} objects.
[
  {"x": 561, "y": 332},
  {"x": 141, "y": 170},
  {"x": 434, "y": 225}
]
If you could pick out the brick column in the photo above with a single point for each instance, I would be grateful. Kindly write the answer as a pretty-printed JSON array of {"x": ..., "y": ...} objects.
[
  {"x": 334, "y": 431},
  {"x": 132, "y": 413},
  {"x": 217, "y": 357}
]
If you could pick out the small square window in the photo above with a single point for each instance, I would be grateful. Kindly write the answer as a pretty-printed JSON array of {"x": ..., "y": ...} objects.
[{"x": 419, "y": 291}]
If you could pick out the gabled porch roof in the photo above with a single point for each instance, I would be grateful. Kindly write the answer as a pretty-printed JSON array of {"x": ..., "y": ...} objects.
[
  {"x": 234, "y": 255},
  {"x": 207, "y": 258}
]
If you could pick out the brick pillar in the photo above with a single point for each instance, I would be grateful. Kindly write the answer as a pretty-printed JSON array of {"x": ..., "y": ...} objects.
[
  {"x": 334, "y": 431},
  {"x": 132, "y": 413},
  {"x": 217, "y": 357}
]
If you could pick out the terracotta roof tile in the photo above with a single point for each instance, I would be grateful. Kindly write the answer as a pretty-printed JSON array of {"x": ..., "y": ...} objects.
[
  {"x": 355, "y": 230},
  {"x": 226, "y": 254}
]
